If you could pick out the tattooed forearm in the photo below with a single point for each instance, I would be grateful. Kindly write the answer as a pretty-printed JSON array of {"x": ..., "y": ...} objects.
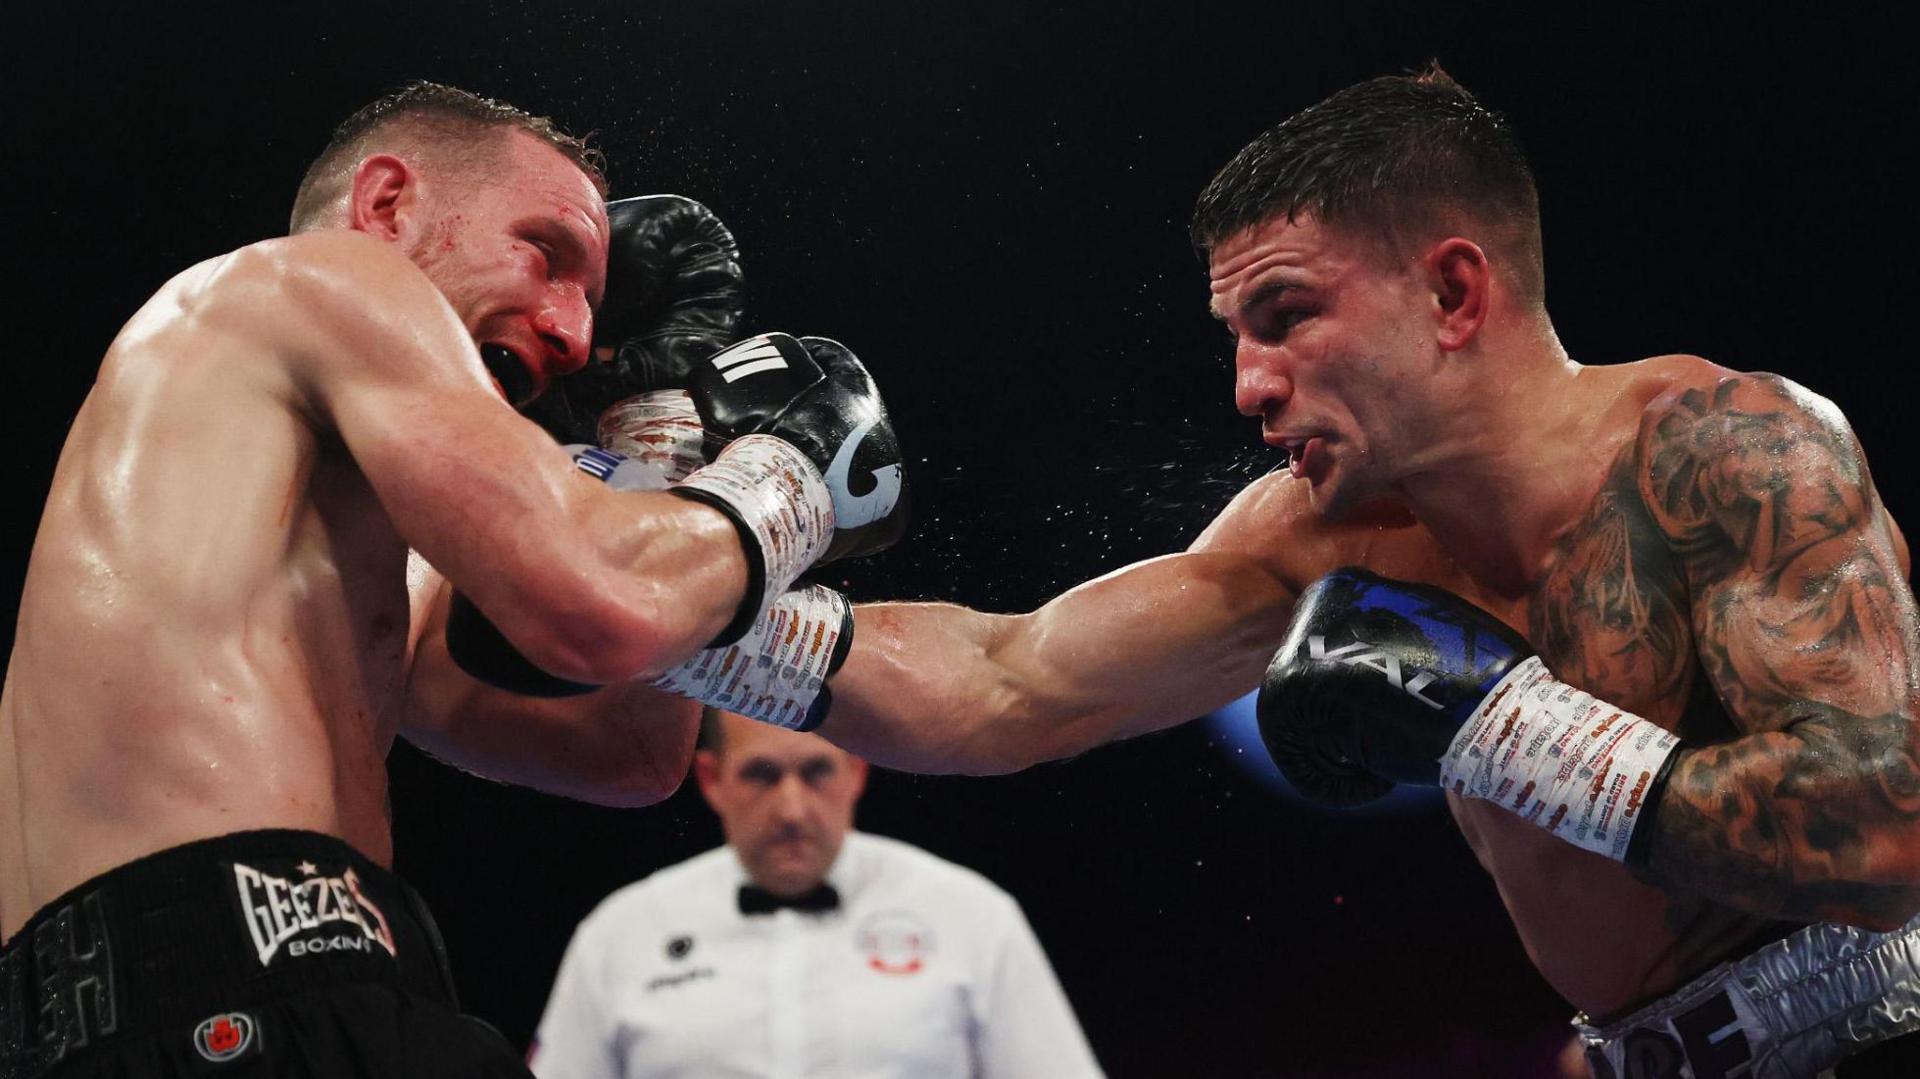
[
  {"x": 1744, "y": 479},
  {"x": 1815, "y": 821},
  {"x": 1804, "y": 625}
]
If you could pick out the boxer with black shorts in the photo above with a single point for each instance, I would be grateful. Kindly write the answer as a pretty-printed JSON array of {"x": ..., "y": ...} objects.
[
  {"x": 1726, "y": 885},
  {"x": 222, "y": 629}
]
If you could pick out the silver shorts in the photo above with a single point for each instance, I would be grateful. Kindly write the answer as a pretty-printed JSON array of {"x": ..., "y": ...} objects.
[{"x": 1791, "y": 1010}]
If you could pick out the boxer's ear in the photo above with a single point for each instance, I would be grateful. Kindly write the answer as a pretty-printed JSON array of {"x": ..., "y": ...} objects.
[
  {"x": 1462, "y": 283},
  {"x": 382, "y": 195}
]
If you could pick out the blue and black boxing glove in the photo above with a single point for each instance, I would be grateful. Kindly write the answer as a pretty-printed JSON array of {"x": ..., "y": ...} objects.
[
  {"x": 1373, "y": 681},
  {"x": 1381, "y": 682}
]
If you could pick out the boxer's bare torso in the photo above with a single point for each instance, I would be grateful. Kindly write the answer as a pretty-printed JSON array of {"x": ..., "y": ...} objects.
[
  {"x": 1570, "y": 554},
  {"x": 1605, "y": 602},
  {"x": 217, "y": 631},
  {"x": 214, "y": 630}
]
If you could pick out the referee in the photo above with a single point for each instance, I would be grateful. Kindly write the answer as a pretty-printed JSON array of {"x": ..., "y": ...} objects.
[{"x": 804, "y": 949}]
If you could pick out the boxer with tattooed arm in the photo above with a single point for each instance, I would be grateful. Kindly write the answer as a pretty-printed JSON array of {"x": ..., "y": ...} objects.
[{"x": 1717, "y": 597}]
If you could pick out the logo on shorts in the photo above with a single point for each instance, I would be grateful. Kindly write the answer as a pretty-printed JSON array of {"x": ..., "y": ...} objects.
[
  {"x": 224, "y": 1037},
  {"x": 895, "y": 942},
  {"x": 278, "y": 910}
]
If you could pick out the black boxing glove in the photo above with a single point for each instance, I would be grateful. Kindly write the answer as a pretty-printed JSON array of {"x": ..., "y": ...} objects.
[
  {"x": 810, "y": 470},
  {"x": 845, "y": 421},
  {"x": 478, "y": 647},
  {"x": 675, "y": 293},
  {"x": 1381, "y": 682},
  {"x": 815, "y": 394}
]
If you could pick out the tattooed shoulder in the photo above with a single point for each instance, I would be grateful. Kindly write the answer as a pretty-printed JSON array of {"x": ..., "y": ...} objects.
[
  {"x": 1806, "y": 630},
  {"x": 1762, "y": 493},
  {"x": 1748, "y": 472}
]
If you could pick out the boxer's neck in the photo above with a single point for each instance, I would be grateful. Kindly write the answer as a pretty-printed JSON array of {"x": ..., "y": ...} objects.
[{"x": 1528, "y": 457}]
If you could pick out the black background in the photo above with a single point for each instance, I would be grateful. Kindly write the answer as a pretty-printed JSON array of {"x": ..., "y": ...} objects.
[{"x": 987, "y": 201}]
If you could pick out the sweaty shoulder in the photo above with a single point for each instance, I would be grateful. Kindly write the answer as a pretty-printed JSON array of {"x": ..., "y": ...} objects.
[
  {"x": 1663, "y": 383},
  {"x": 263, "y": 276},
  {"x": 354, "y": 310},
  {"x": 345, "y": 259},
  {"x": 1704, "y": 415},
  {"x": 1274, "y": 520},
  {"x": 297, "y": 289},
  {"x": 1718, "y": 447},
  {"x": 340, "y": 274},
  {"x": 1689, "y": 385},
  {"x": 304, "y": 313}
]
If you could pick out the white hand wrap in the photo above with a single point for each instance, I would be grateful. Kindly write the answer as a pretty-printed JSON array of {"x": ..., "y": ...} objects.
[
  {"x": 780, "y": 503},
  {"x": 777, "y": 672},
  {"x": 661, "y": 428},
  {"x": 1576, "y": 766}
]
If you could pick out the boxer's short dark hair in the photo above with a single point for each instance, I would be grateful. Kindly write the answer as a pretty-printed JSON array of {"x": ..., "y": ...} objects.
[
  {"x": 1381, "y": 155},
  {"x": 436, "y": 113}
]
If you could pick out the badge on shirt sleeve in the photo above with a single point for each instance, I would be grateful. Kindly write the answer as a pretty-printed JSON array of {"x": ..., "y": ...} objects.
[{"x": 895, "y": 942}]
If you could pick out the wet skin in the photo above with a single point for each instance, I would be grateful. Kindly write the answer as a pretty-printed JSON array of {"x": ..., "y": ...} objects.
[{"x": 1710, "y": 555}]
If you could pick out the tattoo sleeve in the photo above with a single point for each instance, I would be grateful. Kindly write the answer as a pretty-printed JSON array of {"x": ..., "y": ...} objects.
[{"x": 1805, "y": 626}]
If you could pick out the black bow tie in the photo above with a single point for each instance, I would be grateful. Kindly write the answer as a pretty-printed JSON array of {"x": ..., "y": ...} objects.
[{"x": 757, "y": 900}]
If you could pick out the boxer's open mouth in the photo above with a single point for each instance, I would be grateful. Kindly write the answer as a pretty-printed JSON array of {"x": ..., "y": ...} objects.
[{"x": 506, "y": 367}]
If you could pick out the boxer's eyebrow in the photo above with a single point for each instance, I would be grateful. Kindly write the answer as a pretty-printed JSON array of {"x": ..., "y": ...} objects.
[
  {"x": 568, "y": 241},
  {"x": 1262, "y": 293},
  {"x": 598, "y": 292},
  {"x": 1265, "y": 292}
]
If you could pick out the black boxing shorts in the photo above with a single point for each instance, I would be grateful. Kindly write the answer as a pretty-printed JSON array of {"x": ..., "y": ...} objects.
[{"x": 274, "y": 953}]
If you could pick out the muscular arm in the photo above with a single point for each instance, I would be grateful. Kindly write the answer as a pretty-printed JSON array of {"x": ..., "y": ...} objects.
[
  {"x": 590, "y": 584},
  {"x": 938, "y": 688},
  {"x": 624, "y": 746},
  {"x": 1805, "y": 624}
]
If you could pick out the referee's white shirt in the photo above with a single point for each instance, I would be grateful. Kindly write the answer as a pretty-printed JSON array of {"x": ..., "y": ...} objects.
[{"x": 926, "y": 970}]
